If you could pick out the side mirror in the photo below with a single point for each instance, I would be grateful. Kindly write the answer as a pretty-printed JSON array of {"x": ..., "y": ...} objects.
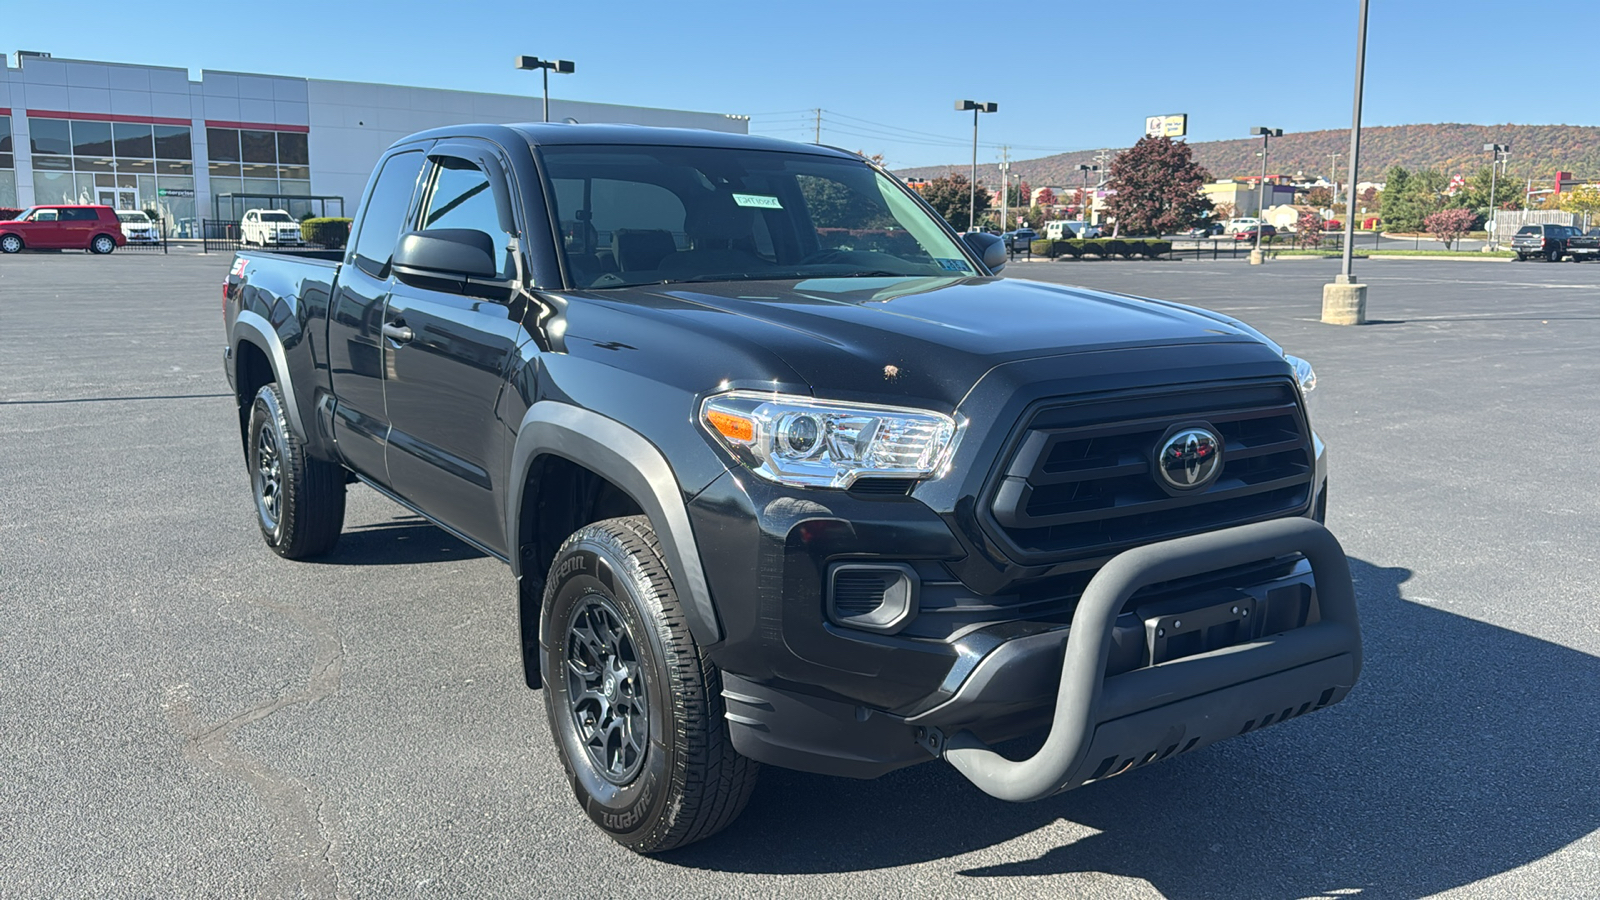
[
  {"x": 448, "y": 254},
  {"x": 990, "y": 248}
]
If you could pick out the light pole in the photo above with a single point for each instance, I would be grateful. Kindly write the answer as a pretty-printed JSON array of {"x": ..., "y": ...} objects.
[
  {"x": 1267, "y": 134},
  {"x": 972, "y": 187},
  {"x": 1084, "y": 194},
  {"x": 1494, "y": 172},
  {"x": 561, "y": 66},
  {"x": 1345, "y": 302},
  {"x": 1005, "y": 190},
  {"x": 1333, "y": 176}
]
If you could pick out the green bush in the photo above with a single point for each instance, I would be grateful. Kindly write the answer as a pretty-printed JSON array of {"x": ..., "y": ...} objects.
[
  {"x": 329, "y": 232},
  {"x": 1103, "y": 248},
  {"x": 1153, "y": 249},
  {"x": 1072, "y": 248},
  {"x": 1046, "y": 249}
]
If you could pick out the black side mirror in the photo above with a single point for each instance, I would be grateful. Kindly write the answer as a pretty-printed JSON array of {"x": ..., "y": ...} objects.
[
  {"x": 447, "y": 254},
  {"x": 990, "y": 249}
]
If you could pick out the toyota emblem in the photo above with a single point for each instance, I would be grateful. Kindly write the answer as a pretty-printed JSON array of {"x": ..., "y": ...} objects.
[{"x": 1190, "y": 459}]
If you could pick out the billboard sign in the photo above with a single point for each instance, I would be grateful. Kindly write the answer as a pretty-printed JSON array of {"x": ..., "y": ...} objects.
[{"x": 1173, "y": 126}]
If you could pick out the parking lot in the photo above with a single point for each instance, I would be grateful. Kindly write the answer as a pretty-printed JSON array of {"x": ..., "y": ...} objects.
[{"x": 184, "y": 714}]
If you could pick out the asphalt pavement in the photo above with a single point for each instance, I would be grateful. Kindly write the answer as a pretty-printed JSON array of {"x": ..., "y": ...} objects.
[{"x": 184, "y": 714}]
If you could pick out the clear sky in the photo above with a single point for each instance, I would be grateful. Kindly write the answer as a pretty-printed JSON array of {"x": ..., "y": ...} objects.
[{"x": 1067, "y": 75}]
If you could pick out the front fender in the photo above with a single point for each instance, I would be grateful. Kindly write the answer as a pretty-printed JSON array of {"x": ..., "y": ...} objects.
[{"x": 632, "y": 463}]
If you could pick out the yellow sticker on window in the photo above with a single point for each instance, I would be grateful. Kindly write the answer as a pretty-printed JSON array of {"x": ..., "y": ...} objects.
[{"x": 757, "y": 201}]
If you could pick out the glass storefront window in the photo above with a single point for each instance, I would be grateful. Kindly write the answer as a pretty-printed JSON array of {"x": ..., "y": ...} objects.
[
  {"x": 136, "y": 166},
  {"x": 173, "y": 168},
  {"x": 263, "y": 186},
  {"x": 302, "y": 173},
  {"x": 86, "y": 189},
  {"x": 222, "y": 144},
  {"x": 133, "y": 140},
  {"x": 8, "y": 189},
  {"x": 91, "y": 138},
  {"x": 259, "y": 146},
  {"x": 53, "y": 187},
  {"x": 92, "y": 164},
  {"x": 224, "y": 170},
  {"x": 53, "y": 163},
  {"x": 252, "y": 170},
  {"x": 6, "y": 159},
  {"x": 50, "y": 136},
  {"x": 292, "y": 149},
  {"x": 172, "y": 142}
]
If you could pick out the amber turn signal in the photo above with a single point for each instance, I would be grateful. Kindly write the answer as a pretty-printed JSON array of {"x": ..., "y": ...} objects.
[{"x": 732, "y": 427}]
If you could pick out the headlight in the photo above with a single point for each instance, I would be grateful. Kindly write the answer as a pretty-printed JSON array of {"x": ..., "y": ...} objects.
[
  {"x": 1305, "y": 375},
  {"x": 798, "y": 440}
]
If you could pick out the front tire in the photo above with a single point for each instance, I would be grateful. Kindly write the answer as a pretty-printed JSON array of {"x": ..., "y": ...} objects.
[
  {"x": 10, "y": 244},
  {"x": 102, "y": 244},
  {"x": 635, "y": 706},
  {"x": 299, "y": 499}
]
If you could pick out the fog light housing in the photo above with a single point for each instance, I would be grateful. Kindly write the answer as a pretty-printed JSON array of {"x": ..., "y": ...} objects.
[{"x": 877, "y": 597}]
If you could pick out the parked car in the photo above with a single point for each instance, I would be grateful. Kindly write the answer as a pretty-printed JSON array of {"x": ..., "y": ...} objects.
[
  {"x": 1548, "y": 241},
  {"x": 64, "y": 227},
  {"x": 1205, "y": 231},
  {"x": 1249, "y": 234},
  {"x": 1020, "y": 240},
  {"x": 1066, "y": 230},
  {"x": 870, "y": 514},
  {"x": 1584, "y": 246},
  {"x": 138, "y": 227},
  {"x": 270, "y": 228},
  {"x": 1239, "y": 224}
]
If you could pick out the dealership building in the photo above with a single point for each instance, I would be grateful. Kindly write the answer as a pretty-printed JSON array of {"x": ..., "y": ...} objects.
[{"x": 147, "y": 137}]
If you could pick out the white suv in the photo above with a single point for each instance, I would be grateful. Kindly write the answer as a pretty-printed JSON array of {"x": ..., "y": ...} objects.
[
  {"x": 137, "y": 227},
  {"x": 270, "y": 227}
]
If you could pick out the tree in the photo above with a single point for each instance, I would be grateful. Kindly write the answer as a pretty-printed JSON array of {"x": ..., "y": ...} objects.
[
  {"x": 1157, "y": 188},
  {"x": 1449, "y": 225},
  {"x": 1320, "y": 197},
  {"x": 1410, "y": 197},
  {"x": 1583, "y": 200},
  {"x": 947, "y": 194},
  {"x": 1308, "y": 229},
  {"x": 1038, "y": 215},
  {"x": 1222, "y": 211},
  {"x": 1047, "y": 197},
  {"x": 836, "y": 206},
  {"x": 1475, "y": 196}
]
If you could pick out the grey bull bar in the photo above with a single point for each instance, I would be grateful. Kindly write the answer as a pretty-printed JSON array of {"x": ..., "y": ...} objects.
[{"x": 1102, "y": 726}]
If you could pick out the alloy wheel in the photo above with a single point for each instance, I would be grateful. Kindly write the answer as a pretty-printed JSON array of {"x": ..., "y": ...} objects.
[
  {"x": 268, "y": 478},
  {"x": 605, "y": 690}
]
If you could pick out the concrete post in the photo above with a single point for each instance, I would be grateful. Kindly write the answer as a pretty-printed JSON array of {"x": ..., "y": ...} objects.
[
  {"x": 1256, "y": 257},
  {"x": 1344, "y": 303}
]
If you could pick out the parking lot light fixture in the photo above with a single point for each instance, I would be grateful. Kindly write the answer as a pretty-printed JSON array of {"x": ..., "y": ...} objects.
[
  {"x": 1345, "y": 302},
  {"x": 1494, "y": 172},
  {"x": 1261, "y": 197},
  {"x": 1083, "y": 196},
  {"x": 972, "y": 187},
  {"x": 561, "y": 66}
]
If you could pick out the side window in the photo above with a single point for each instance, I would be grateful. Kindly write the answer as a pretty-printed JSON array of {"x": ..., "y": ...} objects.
[
  {"x": 80, "y": 215},
  {"x": 458, "y": 195},
  {"x": 385, "y": 212}
]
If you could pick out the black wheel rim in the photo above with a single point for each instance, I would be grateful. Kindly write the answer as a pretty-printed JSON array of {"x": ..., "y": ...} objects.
[
  {"x": 268, "y": 478},
  {"x": 605, "y": 690}
]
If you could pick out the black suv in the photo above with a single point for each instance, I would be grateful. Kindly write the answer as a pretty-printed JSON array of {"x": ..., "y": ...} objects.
[{"x": 1548, "y": 241}]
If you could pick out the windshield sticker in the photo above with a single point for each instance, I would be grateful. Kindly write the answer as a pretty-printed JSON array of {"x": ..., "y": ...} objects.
[
  {"x": 954, "y": 265},
  {"x": 757, "y": 201}
]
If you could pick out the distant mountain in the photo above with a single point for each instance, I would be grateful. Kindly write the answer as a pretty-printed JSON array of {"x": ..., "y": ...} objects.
[{"x": 1536, "y": 150}]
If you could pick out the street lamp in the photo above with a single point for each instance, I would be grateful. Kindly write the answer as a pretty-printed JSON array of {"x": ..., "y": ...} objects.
[
  {"x": 1261, "y": 197},
  {"x": 1084, "y": 194},
  {"x": 972, "y": 191},
  {"x": 561, "y": 66},
  {"x": 1494, "y": 171},
  {"x": 1345, "y": 301}
]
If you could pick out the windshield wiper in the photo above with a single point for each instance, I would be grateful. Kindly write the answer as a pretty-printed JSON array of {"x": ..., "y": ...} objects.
[{"x": 786, "y": 276}]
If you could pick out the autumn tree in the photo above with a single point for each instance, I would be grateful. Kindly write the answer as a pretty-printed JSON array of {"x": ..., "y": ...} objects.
[
  {"x": 948, "y": 195},
  {"x": 1320, "y": 197},
  {"x": 1157, "y": 188},
  {"x": 1308, "y": 229},
  {"x": 1449, "y": 225},
  {"x": 1223, "y": 211},
  {"x": 1410, "y": 197},
  {"x": 1583, "y": 200},
  {"x": 1047, "y": 197},
  {"x": 1475, "y": 195}
]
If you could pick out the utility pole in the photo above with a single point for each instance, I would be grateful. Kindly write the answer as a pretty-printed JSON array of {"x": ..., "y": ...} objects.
[
  {"x": 1005, "y": 190},
  {"x": 818, "y": 137},
  {"x": 1345, "y": 301},
  {"x": 1267, "y": 134},
  {"x": 972, "y": 189},
  {"x": 1333, "y": 176},
  {"x": 1498, "y": 150}
]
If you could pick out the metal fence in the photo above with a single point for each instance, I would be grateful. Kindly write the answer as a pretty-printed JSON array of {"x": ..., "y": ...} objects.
[
  {"x": 225, "y": 237},
  {"x": 159, "y": 245}
]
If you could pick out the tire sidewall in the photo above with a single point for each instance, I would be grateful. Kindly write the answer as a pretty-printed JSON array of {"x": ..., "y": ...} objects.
[
  {"x": 266, "y": 412},
  {"x": 589, "y": 566},
  {"x": 11, "y": 244},
  {"x": 102, "y": 244}
]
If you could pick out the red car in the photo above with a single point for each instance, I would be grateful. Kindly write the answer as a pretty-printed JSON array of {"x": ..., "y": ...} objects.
[
  {"x": 65, "y": 227},
  {"x": 1249, "y": 234}
]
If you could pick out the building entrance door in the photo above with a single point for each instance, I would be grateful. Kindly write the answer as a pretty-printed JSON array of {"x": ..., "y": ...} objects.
[{"x": 118, "y": 198}]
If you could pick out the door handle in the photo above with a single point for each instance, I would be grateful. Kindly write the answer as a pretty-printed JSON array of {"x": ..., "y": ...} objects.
[{"x": 396, "y": 332}]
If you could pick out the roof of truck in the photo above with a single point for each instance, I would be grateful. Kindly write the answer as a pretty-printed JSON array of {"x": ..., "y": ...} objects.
[{"x": 555, "y": 133}]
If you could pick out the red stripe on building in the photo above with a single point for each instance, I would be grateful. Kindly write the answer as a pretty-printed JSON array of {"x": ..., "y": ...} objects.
[
  {"x": 105, "y": 117},
  {"x": 257, "y": 126}
]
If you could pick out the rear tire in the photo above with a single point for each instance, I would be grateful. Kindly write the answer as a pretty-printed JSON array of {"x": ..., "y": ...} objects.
[
  {"x": 299, "y": 499},
  {"x": 10, "y": 244},
  {"x": 635, "y": 706},
  {"x": 102, "y": 244},
  {"x": 1553, "y": 255},
  {"x": 1522, "y": 257}
]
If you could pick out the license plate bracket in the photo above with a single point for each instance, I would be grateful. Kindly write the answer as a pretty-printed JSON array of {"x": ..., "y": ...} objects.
[{"x": 1171, "y": 635}]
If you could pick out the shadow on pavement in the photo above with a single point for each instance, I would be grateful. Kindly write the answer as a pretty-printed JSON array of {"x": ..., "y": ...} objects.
[
  {"x": 1466, "y": 750},
  {"x": 403, "y": 540}
]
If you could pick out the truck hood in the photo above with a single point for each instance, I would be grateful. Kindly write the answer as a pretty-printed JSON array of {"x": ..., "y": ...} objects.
[{"x": 928, "y": 339}]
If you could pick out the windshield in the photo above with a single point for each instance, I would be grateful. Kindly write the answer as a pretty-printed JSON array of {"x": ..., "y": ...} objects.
[
  {"x": 655, "y": 215},
  {"x": 275, "y": 217},
  {"x": 1528, "y": 229},
  {"x": 134, "y": 218}
]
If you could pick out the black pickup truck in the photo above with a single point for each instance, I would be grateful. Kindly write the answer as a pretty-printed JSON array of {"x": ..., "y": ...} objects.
[
  {"x": 1584, "y": 246},
  {"x": 787, "y": 475}
]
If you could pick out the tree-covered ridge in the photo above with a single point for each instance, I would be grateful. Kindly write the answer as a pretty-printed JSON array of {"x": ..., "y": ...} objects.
[{"x": 1536, "y": 150}]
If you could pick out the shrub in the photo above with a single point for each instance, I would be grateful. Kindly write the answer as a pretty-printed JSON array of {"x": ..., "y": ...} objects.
[
  {"x": 1153, "y": 249},
  {"x": 1043, "y": 248},
  {"x": 329, "y": 232},
  {"x": 1072, "y": 248},
  {"x": 7, "y": 212}
]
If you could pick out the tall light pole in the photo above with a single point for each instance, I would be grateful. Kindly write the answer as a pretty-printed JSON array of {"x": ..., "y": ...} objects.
[
  {"x": 972, "y": 188},
  {"x": 1267, "y": 134},
  {"x": 1005, "y": 190},
  {"x": 561, "y": 66},
  {"x": 1084, "y": 195},
  {"x": 1345, "y": 302},
  {"x": 1333, "y": 176},
  {"x": 1494, "y": 172}
]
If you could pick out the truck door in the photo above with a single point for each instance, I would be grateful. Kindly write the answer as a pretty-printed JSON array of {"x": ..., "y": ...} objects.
[
  {"x": 448, "y": 447},
  {"x": 357, "y": 348}
]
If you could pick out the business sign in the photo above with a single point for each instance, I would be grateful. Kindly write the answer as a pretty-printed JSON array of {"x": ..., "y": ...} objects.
[
  {"x": 1176, "y": 125},
  {"x": 174, "y": 192}
]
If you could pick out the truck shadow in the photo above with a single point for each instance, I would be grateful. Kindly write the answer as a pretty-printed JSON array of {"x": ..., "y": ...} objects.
[
  {"x": 1467, "y": 750},
  {"x": 400, "y": 541}
]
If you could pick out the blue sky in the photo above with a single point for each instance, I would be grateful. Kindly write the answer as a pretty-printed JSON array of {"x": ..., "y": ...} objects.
[{"x": 1067, "y": 75}]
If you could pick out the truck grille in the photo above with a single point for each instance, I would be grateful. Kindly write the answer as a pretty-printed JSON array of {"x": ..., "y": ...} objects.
[{"x": 1082, "y": 481}]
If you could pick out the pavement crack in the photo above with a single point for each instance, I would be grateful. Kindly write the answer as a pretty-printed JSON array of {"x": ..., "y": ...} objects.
[{"x": 304, "y": 844}]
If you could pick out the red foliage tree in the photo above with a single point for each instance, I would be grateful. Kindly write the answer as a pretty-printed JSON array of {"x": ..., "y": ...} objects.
[
  {"x": 1047, "y": 197},
  {"x": 1308, "y": 229},
  {"x": 1449, "y": 225},
  {"x": 1157, "y": 185}
]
